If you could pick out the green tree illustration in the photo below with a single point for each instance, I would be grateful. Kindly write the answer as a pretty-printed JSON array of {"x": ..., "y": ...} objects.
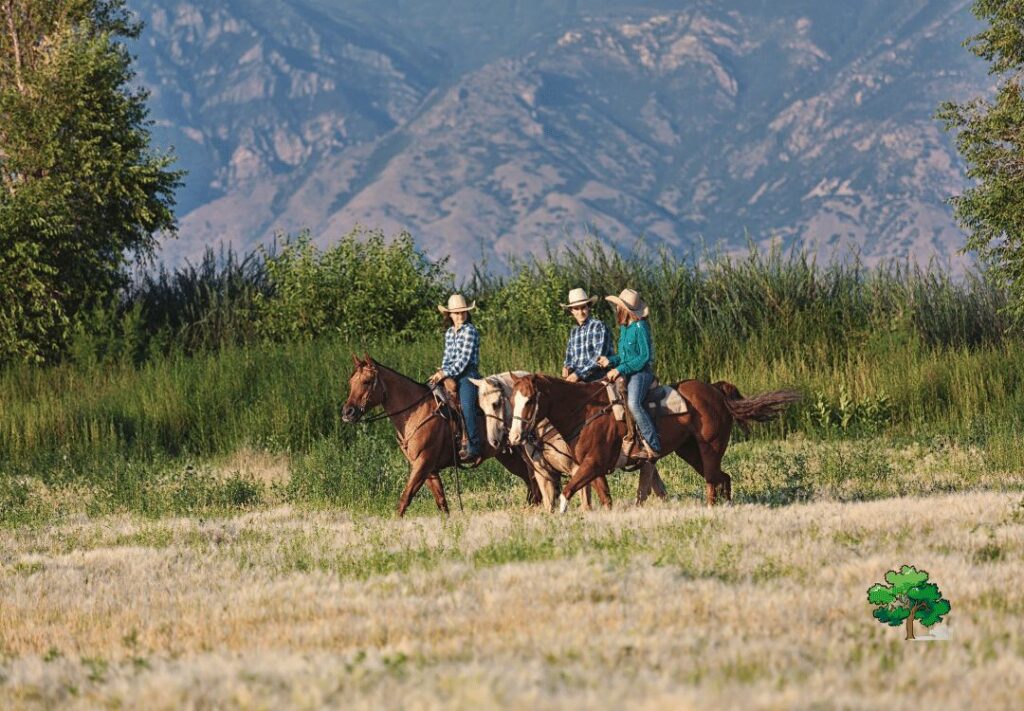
[{"x": 907, "y": 597}]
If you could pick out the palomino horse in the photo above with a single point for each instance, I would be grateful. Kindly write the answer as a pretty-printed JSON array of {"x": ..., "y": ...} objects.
[
  {"x": 582, "y": 414},
  {"x": 548, "y": 452},
  {"x": 423, "y": 433}
]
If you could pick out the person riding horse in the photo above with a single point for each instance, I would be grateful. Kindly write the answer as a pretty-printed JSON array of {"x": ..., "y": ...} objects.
[
  {"x": 634, "y": 360},
  {"x": 589, "y": 339},
  {"x": 461, "y": 363}
]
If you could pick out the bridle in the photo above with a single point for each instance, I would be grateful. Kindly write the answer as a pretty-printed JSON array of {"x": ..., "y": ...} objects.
[
  {"x": 528, "y": 424},
  {"x": 377, "y": 382},
  {"x": 506, "y": 405}
]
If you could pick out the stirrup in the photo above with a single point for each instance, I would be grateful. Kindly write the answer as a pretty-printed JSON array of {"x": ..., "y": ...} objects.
[{"x": 647, "y": 452}]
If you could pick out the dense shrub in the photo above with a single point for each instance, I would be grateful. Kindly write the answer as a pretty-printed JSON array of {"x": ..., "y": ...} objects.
[{"x": 362, "y": 287}]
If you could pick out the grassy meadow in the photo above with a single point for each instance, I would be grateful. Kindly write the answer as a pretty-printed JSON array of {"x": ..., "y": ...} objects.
[
  {"x": 668, "y": 606},
  {"x": 185, "y": 520}
]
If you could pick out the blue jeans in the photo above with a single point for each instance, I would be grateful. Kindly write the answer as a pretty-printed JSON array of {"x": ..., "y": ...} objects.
[
  {"x": 639, "y": 383},
  {"x": 470, "y": 407}
]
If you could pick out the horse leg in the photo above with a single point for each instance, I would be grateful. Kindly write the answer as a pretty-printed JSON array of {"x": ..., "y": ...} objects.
[
  {"x": 515, "y": 464},
  {"x": 657, "y": 484},
  {"x": 588, "y": 470},
  {"x": 690, "y": 452},
  {"x": 643, "y": 486},
  {"x": 586, "y": 503},
  {"x": 600, "y": 485},
  {"x": 548, "y": 483},
  {"x": 718, "y": 484},
  {"x": 417, "y": 475},
  {"x": 437, "y": 489}
]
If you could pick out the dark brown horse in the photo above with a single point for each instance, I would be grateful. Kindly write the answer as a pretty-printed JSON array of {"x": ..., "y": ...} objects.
[
  {"x": 582, "y": 414},
  {"x": 424, "y": 435}
]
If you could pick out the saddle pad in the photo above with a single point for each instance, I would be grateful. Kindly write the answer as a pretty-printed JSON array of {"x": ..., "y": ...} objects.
[{"x": 666, "y": 400}]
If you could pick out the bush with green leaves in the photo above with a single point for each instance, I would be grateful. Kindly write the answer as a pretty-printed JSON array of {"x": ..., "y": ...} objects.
[{"x": 363, "y": 287}]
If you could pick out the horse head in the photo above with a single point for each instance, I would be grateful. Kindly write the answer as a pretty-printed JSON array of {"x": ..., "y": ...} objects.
[
  {"x": 492, "y": 396},
  {"x": 527, "y": 408},
  {"x": 364, "y": 389}
]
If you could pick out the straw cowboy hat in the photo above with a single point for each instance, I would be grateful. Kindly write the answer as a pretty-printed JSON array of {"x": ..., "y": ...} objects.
[
  {"x": 456, "y": 304},
  {"x": 578, "y": 297},
  {"x": 631, "y": 301}
]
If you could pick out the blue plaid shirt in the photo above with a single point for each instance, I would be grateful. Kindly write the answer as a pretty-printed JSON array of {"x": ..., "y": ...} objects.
[
  {"x": 586, "y": 343},
  {"x": 461, "y": 350}
]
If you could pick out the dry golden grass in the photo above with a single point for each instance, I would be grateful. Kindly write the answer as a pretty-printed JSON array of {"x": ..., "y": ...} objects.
[
  {"x": 672, "y": 606},
  {"x": 260, "y": 465}
]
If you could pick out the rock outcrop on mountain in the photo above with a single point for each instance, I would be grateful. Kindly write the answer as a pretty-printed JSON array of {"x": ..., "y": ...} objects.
[{"x": 492, "y": 129}]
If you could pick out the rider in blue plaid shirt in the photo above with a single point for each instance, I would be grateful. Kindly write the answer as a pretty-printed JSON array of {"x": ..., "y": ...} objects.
[
  {"x": 461, "y": 351},
  {"x": 588, "y": 339},
  {"x": 461, "y": 362}
]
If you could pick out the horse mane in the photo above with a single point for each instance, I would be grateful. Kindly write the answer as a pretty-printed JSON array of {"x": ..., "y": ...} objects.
[
  {"x": 577, "y": 390},
  {"x": 403, "y": 376}
]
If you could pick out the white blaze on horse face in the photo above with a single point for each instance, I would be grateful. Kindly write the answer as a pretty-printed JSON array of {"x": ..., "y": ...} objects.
[
  {"x": 515, "y": 432},
  {"x": 489, "y": 398}
]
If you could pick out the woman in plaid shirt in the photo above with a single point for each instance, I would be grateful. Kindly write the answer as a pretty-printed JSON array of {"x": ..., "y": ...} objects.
[
  {"x": 588, "y": 340},
  {"x": 461, "y": 362}
]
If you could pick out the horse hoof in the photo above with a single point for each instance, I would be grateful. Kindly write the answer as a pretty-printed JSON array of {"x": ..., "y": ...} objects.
[{"x": 563, "y": 504}]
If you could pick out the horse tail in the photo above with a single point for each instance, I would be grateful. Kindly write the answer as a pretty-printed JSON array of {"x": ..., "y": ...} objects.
[
  {"x": 760, "y": 408},
  {"x": 730, "y": 391}
]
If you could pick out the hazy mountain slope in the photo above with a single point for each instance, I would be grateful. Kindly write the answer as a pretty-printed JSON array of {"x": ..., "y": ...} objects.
[{"x": 490, "y": 128}]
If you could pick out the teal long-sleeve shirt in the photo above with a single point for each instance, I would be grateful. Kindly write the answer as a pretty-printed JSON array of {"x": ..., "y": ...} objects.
[{"x": 635, "y": 349}]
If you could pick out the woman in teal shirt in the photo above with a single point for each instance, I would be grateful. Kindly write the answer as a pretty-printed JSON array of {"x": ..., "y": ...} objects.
[{"x": 635, "y": 360}]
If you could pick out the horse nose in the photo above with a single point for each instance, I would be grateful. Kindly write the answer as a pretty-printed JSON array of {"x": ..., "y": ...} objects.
[{"x": 348, "y": 414}]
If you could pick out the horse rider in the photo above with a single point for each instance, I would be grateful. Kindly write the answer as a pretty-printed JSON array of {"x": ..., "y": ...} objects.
[
  {"x": 634, "y": 360},
  {"x": 460, "y": 362},
  {"x": 589, "y": 339}
]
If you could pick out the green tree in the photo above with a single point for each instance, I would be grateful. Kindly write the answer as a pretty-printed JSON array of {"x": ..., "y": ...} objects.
[
  {"x": 991, "y": 139},
  {"x": 81, "y": 192},
  {"x": 907, "y": 597}
]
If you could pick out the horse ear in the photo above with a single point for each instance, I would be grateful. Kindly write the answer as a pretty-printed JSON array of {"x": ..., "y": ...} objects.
[
  {"x": 515, "y": 378},
  {"x": 366, "y": 358},
  {"x": 479, "y": 382},
  {"x": 355, "y": 360}
]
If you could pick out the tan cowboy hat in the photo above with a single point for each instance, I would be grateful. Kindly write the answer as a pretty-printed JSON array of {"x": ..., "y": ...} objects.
[
  {"x": 456, "y": 304},
  {"x": 578, "y": 297},
  {"x": 631, "y": 301}
]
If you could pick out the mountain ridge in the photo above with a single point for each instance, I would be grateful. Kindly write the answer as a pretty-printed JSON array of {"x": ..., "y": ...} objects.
[{"x": 679, "y": 122}]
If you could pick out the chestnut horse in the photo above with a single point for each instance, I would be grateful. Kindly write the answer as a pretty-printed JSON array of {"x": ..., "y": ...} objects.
[
  {"x": 547, "y": 450},
  {"x": 582, "y": 414},
  {"x": 424, "y": 435}
]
